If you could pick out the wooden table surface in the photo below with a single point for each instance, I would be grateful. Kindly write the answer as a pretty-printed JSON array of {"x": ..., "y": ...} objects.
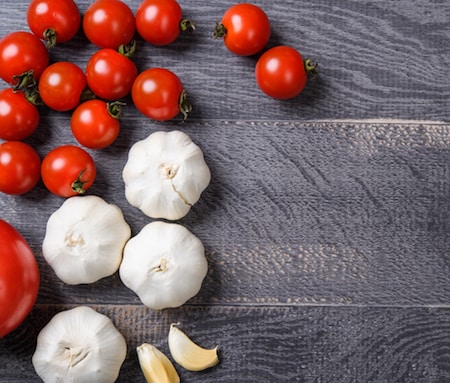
[{"x": 327, "y": 220}]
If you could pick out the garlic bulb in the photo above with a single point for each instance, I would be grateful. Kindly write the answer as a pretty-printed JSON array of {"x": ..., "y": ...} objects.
[
  {"x": 165, "y": 175},
  {"x": 84, "y": 239},
  {"x": 164, "y": 264},
  {"x": 189, "y": 354},
  {"x": 155, "y": 365},
  {"x": 79, "y": 345}
]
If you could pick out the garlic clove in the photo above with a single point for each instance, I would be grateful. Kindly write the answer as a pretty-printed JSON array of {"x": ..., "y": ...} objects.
[
  {"x": 79, "y": 345},
  {"x": 188, "y": 354},
  {"x": 155, "y": 365}
]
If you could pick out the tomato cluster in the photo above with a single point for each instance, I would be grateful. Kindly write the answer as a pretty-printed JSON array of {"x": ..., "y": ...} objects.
[
  {"x": 280, "y": 72},
  {"x": 111, "y": 75},
  {"x": 93, "y": 97}
]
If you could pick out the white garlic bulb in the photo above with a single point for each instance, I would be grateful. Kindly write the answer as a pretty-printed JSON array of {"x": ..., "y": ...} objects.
[
  {"x": 79, "y": 345},
  {"x": 165, "y": 175},
  {"x": 164, "y": 264},
  {"x": 84, "y": 239}
]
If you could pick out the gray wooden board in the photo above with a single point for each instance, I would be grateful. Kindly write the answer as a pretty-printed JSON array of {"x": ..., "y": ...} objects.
[
  {"x": 275, "y": 343},
  {"x": 326, "y": 222},
  {"x": 378, "y": 59},
  {"x": 325, "y": 212}
]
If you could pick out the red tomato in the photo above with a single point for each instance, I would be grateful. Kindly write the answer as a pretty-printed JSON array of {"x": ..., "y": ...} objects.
[
  {"x": 68, "y": 170},
  {"x": 109, "y": 23},
  {"x": 245, "y": 29},
  {"x": 19, "y": 278},
  {"x": 281, "y": 72},
  {"x": 55, "y": 21},
  {"x": 61, "y": 86},
  {"x": 19, "y": 118},
  {"x": 158, "y": 93},
  {"x": 159, "y": 22},
  {"x": 21, "y": 52},
  {"x": 110, "y": 74},
  {"x": 95, "y": 124},
  {"x": 19, "y": 167}
]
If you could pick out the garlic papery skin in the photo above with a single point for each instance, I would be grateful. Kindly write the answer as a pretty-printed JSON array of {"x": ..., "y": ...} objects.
[
  {"x": 84, "y": 239},
  {"x": 155, "y": 365},
  {"x": 165, "y": 175},
  {"x": 79, "y": 345},
  {"x": 188, "y": 354},
  {"x": 164, "y": 264}
]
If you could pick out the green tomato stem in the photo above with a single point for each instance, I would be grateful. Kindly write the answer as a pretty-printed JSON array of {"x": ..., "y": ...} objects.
[
  {"x": 86, "y": 95},
  {"x": 115, "y": 109},
  {"x": 25, "y": 81},
  {"x": 184, "y": 104},
  {"x": 219, "y": 31},
  {"x": 32, "y": 96},
  {"x": 311, "y": 68},
  {"x": 187, "y": 25},
  {"x": 78, "y": 185},
  {"x": 27, "y": 84},
  {"x": 50, "y": 37},
  {"x": 128, "y": 50}
]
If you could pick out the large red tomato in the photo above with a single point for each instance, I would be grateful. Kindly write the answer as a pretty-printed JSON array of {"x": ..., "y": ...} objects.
[
  {"x": 22, "y": 52},
  {"x": 109, "y": 23},
  {"x": 158, "y": 93},
  {"x": 55, "y": 21},
  {"x": 245, "y": 29},
  {"x": 19, "y": 278}
]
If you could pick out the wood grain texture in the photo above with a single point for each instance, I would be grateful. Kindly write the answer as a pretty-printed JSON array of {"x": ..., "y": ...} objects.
[
  {"x": 332, "y": 212},
  {"x": 378, "y": 59},
  {"x": 318, "y": 213},
  {"x": 276, "y": 344},
  {"x": 326, "y": 224}
]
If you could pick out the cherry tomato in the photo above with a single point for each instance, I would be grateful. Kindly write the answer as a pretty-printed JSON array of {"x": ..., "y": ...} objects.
[
  {"x": 19, "y": 167},
  {"x": 282, "y": 73},
  {"x": 245, "y": 29},
  {"x": 110, "y": 74},
  {"x": 19, "y": 278},
  {"x": 159, "y": 22},
  {"x": 95, "y": 123},
  {"x": 22, "y": 52},
  {"x": 158, "y": 93},
  {"x": 55, "y": 21},
  {"x": 61, "y": 86},
  {"x": 68, "y": 170},
  {"x": 19, "y": 118},
  {"x": 109, "y": 23}
]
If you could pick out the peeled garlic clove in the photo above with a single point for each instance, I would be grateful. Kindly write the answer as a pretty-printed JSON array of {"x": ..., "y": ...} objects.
[
  {"x": 189, "y": 354},
  {"x": 79, "y": 345},
  {"x": 155, "y": 365}
]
